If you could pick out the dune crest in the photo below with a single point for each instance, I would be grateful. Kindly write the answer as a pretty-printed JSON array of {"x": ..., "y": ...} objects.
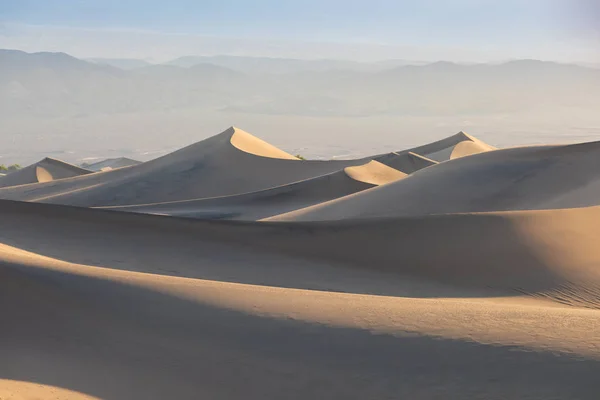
[{"x": 244, "y": 141}]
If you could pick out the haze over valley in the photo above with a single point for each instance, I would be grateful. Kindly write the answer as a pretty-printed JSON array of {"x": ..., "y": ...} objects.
[{"x": 56, "y": 104}]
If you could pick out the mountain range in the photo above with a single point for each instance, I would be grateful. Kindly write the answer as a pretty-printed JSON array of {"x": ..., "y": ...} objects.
[{"x": 50, "y": 84}]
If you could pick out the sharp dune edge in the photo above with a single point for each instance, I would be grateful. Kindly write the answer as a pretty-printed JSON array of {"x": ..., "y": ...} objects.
[{"x": 424, "y": 273}]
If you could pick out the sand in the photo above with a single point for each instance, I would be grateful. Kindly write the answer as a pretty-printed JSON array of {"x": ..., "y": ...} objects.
[
  {"x": 112, "y": 163},
  {"x": 46, "y": 170},
  {"x": 210, "y": 168},
  {"x": 270, "y": 202},
  {"x": 523, "y": 178},
  {"x": 375, "y": 295}
]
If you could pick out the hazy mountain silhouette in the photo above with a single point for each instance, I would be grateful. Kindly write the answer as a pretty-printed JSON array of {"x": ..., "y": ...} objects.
[
  {"x": 122, "y": 63},
  {"x": 50, "y": 84}
]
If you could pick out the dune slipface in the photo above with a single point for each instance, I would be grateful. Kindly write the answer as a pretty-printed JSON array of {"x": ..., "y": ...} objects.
[
  {"x": 46, "y": 170},
  {"x": 232, "y": 162}
]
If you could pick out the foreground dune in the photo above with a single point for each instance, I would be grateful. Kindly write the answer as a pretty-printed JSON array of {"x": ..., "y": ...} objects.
[
  {"x": 210, "y": 168},
  {"x": 46, "y": 170},
  {"x": 120, "y": 305},
  {"x": 266, "y": 203},
  {"x": 523, "y": 178}
]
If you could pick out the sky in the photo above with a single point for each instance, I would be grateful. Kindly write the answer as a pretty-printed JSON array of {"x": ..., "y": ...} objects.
[{"x": 365, "y": 30}]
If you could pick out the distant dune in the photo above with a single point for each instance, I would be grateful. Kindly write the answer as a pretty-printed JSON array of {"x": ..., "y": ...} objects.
[
  {"x": 522, "y": 178},
  {"x": 232, "y": 162},
  {"x": 46, "y": 170}
]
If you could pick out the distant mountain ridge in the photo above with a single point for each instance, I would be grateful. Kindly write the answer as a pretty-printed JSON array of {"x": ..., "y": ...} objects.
[{"x": 51, "y": 84}]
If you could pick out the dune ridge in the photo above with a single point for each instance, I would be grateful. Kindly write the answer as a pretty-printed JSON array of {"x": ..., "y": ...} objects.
[{"x": 523, "y": 178}]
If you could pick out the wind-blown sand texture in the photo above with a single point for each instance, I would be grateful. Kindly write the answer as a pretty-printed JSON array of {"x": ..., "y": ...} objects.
[{"x": 394, "y": 299}]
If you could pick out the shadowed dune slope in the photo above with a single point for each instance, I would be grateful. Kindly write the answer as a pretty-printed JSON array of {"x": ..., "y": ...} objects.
[
  {"x": 265, "y": 203},
  {"x": 210, "y": 168},
  {"x": 46, "y": 170},
  {"x": 407, "y": 162},
  {"x": 123, "y": 306},
  {"x": 523, "y": 178},
  {"x": 112, "y": 163}
]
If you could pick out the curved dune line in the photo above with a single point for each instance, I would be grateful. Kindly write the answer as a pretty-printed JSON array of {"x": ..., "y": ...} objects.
[
  {"x": 250, "y": 144},
  {"x": 19, "y": 390},
  {"x": 374, "y": 173}
]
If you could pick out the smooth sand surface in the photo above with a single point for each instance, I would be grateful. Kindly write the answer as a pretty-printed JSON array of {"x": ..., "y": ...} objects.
[
  {"x": 119, "y": 305},
  {"x": 46, "y": 170},
  {"x": 523, "y": 178},
  {"x": 266, "y": 203}
]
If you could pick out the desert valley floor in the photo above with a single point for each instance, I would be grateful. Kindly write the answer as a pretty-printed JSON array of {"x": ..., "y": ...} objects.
[{"x": 231, "y": 269}]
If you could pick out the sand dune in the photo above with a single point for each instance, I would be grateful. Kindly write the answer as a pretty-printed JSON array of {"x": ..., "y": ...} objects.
[
  {"x": 454, "y": 146},
  {"x": 210, "y": 168},
  {"x": 407, "y": 162},
  {"x": 523, "y": 178},
  {"x": 442, "y": 271},
  {"x": 112, "y": 163},
  {"x": 46, "y": 170},
  {"x": 120, "y": 305},
  {"x": 266, "y": 203}
]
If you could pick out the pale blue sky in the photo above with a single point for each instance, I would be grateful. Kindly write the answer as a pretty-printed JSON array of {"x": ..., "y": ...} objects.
[{"x": 507, "y": 28}]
